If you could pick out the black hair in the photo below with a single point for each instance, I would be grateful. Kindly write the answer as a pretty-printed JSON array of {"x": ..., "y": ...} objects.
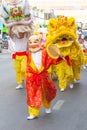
[{"x": 85, "y": 37}]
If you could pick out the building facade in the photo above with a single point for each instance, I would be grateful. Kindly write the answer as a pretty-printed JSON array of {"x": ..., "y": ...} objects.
[{"x": 77, "y": 8}]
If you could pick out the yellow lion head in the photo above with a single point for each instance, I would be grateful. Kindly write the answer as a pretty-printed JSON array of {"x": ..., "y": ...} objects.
[{"x": 61, "y": 29}]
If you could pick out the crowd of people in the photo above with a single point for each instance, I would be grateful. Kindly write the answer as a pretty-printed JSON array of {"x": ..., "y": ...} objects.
[{"x": 82, "y": 40}]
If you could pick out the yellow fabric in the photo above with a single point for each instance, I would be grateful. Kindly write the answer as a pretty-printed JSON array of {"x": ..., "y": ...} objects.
[
  {"x": 61, "y": 27},
  {"x": 77, "y": 54},
  {"x": 63, "y": 72},
  {"x": 76, "y": 73},
  {"x": 20, "y": 68},
  {"x": 85, "y": 59},
  {"x": 77, "y": 59},
  {"x": 33, "y": 111},
  {"x": 50, "y": 69},
  {"x": 65, "y": 51},
  {"x": 66, "y": 44}
]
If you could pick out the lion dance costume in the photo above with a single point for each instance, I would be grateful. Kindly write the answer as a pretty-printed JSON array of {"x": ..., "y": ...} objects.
[
  {"x": 17, "y": 17},
  {"x": 62, "y": 35}
]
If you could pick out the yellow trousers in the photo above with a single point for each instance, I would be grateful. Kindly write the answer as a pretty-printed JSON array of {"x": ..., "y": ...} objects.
[
  {"x": 85, "y": 60},
  {"x": 76, "y": 73},
  {"x": 20, "y": 68},
  {"x": 64, "y": 73},
  {"x": 35, "y": 111}
]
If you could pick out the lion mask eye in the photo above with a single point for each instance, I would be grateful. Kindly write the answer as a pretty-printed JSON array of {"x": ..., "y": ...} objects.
[{"x": 15, "y": 10}]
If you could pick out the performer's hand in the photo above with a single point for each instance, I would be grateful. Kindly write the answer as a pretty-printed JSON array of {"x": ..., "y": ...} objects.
[{"x": 60, "y": 55}]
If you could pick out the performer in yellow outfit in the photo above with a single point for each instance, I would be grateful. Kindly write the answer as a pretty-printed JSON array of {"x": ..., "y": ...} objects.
[
  {"x": 77, "y": 59},
  {"x": 62, "y": 34},
  {"x": 17, "y": 17},
  {"x": 20, "y": 57}
]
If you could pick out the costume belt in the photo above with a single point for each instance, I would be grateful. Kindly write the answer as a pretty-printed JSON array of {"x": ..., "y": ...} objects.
[
  {"x": 19, "y": 54},
  {"x": 35, "y": 78}
]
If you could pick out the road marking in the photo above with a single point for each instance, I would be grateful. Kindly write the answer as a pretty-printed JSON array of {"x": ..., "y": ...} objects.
[{"x": 58, "y": 104}]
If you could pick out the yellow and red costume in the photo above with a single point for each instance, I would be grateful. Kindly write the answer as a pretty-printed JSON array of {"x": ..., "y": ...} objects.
[
  {"x": 77, "y": 59},
  {"x": 40, "y": 88},
  {"x": 20, "y": 58}
]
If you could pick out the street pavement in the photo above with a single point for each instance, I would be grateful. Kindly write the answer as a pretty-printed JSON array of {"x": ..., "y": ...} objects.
[{"x": 69, "y": 109}]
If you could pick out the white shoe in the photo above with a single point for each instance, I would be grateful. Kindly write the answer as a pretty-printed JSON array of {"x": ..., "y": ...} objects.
[
  {"x": 71, "y": 86},
  {"x": 31, "y": 117},
  {"x": 84, "y": 67},
  {"x": 48, "y": 110},
  {"x": 62, "y": 89},
  {"x": 76, "y": 81},
  {"x": 20, "y": 86}
]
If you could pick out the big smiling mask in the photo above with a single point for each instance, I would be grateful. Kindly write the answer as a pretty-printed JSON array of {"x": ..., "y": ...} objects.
[{"x": 34, "y": 43}]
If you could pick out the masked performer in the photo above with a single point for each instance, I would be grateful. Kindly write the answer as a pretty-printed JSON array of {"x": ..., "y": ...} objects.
[
  {"x": 17, "y": 17},
  {"x": 40, "y": 88},
  {"x": 62, "y": 34}
]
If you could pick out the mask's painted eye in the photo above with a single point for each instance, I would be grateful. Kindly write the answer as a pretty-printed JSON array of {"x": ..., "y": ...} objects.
[
  {"x": 29, "y": 42},
  {"x": 36, "y": 41}
]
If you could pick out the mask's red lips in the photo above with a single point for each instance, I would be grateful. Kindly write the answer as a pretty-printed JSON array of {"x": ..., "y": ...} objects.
[{"x": 34, "y": 46}]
